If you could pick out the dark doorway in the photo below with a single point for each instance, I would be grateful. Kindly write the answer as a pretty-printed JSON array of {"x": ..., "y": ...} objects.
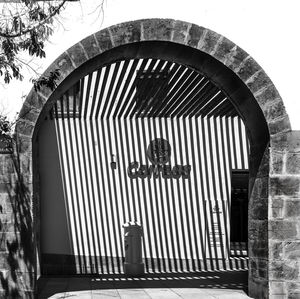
[{"x": 239, "y": 212}]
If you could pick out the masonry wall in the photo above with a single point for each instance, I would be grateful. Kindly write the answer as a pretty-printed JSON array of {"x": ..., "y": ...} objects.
[
  {"x": 17, "y": 250},
  {"x": 284, "y": 216}
]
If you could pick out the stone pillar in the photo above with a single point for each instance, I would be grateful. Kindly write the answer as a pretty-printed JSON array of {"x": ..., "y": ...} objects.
[
  {"x": 17, "y": 254},
  {"x": 284, "y": 216},
  {"x": 258, "y": 224}
]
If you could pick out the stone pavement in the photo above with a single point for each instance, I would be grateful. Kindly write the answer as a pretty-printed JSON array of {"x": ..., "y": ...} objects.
[{"x": 223, "y": 285}]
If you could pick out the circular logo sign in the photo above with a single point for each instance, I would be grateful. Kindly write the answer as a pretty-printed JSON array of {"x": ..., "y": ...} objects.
[{"x": 159, "y": 151}]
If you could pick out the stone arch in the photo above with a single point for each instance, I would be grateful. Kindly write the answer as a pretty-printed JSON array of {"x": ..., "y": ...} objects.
[{"x": 253, "y": 93}]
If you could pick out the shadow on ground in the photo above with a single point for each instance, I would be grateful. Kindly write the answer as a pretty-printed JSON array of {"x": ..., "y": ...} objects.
[{"x": 51, "y": 285}]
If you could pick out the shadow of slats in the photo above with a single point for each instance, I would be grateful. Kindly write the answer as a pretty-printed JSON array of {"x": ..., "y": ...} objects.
[{"x": 105, "y": 122}]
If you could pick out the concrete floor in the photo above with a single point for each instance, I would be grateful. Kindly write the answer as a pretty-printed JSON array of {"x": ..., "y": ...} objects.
[{"x": 225, "y": 285}]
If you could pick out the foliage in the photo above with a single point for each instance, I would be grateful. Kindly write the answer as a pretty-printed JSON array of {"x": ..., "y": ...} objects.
[
  {"x": 5, "y": 126},
  {"x": 25, "y": 25}
]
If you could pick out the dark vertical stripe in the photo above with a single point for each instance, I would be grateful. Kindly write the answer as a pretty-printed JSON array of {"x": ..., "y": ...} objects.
[
  {"x": 226, "y": 174},
  {"x": 210, "y": 139},
  {"x": 111, "y": 85},
  {"x": 139, "y": 193},
  {"x": 187, "y": 138},
  {"x": 156, "y": 199},
  {"x": 99, "y": 194},
  {"x": 87, "y": 95},
  {"x": 185, "y": 203},
  {"x": 146, "y": 225},
  {"x": 107, "y": 158},
  {"x": 161, "y": 201},
  {"x": 193, "y": 145},
  {"x": 173, "y": 205},
  {"x": 240, "y": 138},
  {"x": 133, "y": 199},
  {"x": 90, "y": 193},
  {"x": 114, "y": 188},
  {"x": 234, "y": 143},
  {"x": 173, "y": 123},
  {"x": 104, "y": 201},
  {"x": 153, "y": 244},
  {"x": 123, "y": 149},
  {"x": 224, "y": 207},
  {"x": 94, "y": 98},
  {"x": 201, "y": 136},
  {"x": 101, "y": 94},
  {"x": 208, "y": 202},
  {"x": 169, "y": 228}
]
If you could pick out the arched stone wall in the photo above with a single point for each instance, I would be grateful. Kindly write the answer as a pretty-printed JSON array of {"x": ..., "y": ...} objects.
[{"x": 263, "y": 113}]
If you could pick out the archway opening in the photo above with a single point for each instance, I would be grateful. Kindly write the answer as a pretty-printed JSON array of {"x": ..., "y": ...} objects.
[{"x": 103, "y": 120}]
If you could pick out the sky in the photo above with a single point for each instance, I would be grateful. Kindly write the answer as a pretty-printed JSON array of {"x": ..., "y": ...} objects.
[{"x": 266, "y": 29}]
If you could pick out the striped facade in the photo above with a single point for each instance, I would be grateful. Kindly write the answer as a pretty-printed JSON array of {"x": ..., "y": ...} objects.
[{"x": 92, "y": 136}]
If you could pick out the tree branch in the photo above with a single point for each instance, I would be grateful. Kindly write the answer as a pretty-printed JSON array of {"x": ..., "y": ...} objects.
[{"x": 30, "y": 28}]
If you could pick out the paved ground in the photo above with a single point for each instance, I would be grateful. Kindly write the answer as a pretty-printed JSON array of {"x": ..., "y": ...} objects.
[{"x": 223, "y": 285}]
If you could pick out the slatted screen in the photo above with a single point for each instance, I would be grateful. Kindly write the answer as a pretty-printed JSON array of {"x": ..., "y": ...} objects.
[{"x": 102, "y": 129}]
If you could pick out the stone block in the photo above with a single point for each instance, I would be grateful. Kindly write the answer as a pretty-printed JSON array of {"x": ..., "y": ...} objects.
[
  {"x": 24, "y": 127},
  {"x": 157, "y": 29},
  {"x": 292, "y": 250},
  {"x": 8, "y": 165},
  {"x": 288, "y": 141},
  {"x": 278, "y": 287},
  {"x": 209, "y": 42},
  {"x": 126, "y": 33},
  {"x": 283, "y": 230},
  {"x": 258, "y": 288},
  {"x": 279, "y": 125},
  {"x": 258, "y": 81},
  {"x": 274, "y": 110},
  {"x": 284, "y": 270},
  {"x": 195, "y": 34},
  {"x": 293, "y": 289},
  {"x": 225, "y": 49},
  {"x": 258, "y": 230},
  {"x": 292, "y": 209},
  {"x": 258, "y": 248},
  {"x": 267, "y": 95},
  {"x": 182, "y": 34},
  {"x": 90, "y": 46},
  {"x": 260, "y": 189},
  {"x": 64, "y": 64},
  {"x": 77, "y": 54},
  {"x": 263, "y": 170},
  {"x": 104, "y": 40},
  {"x": 276, "y": 207},
  {"x": 24, "y": 144},
  {"x": 277, "y": 162},
  {"x": 247, "y": 69},
  {"x": 276, "y": 250},
  {"x": 26, "y": 165},
  {"x": 29, "y": 113},
  {"x": 259, "y": 211},
  {"x": 285, "y": 185},
  {"x": 34, "y": 99},
  {"x": 293, "y": 163},
  {"x": 236, "y": 58}
]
